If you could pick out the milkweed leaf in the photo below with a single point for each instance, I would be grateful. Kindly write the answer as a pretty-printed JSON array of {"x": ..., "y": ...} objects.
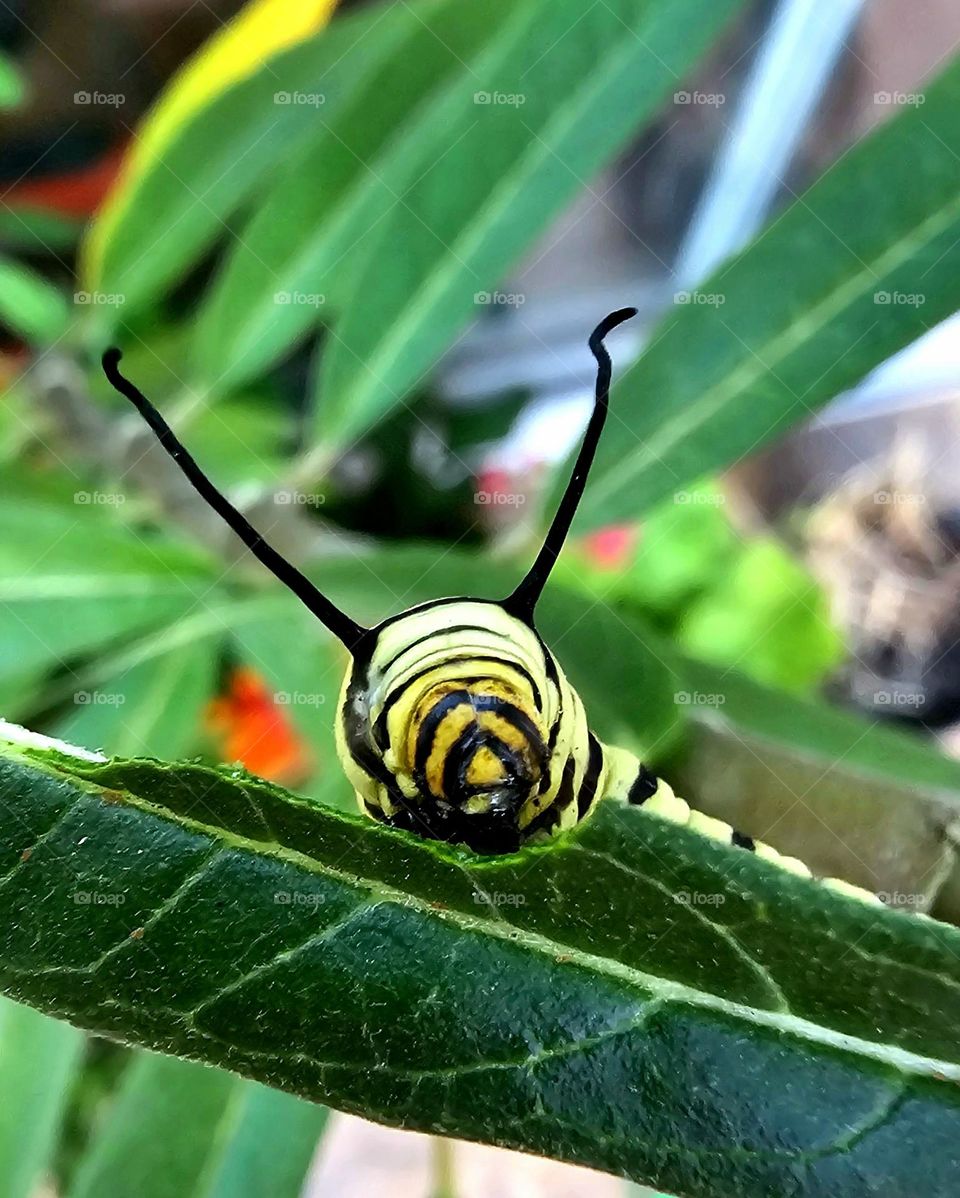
[
  {"x": 848, "y": 275},
  {"x": 630, "y": 998}
]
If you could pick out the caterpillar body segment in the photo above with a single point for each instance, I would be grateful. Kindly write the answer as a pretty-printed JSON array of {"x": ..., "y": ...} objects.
[
  {"x": 455, "y": 721},
  {"x": 460, "y": 725},
  {"x": 664, "y": 804}
]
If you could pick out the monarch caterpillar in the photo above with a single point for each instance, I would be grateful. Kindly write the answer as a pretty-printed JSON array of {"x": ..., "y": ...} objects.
[{"x": 455, "y": 720}]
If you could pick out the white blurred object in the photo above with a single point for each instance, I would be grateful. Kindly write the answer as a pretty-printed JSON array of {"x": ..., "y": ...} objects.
[
  {"x": 928, "y": 367},
  {"x": 15, "y": 735},
  {"x": 590, "y": 263},
  {"x": 787, "y": 79},
  {"x": 358, "y": 1159}
]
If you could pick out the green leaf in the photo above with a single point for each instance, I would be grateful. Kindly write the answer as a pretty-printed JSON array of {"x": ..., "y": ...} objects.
[
  {"x": 562, "y": 1001},
  {"x": 565, "y": 88},
  {"x": 15, "y": 423},
  {"x": 39, "y": 1058},
  {"x": 222, "y": 613},
  {"x": 180, "y": 1130},
  {"x": 624, "y": 673},
  {"x": 272, "y": 1147},
  {"x": 35, "y": 230},
  {"x": 869, "y": 748},
  {"x": 852, "y": 798},
  {"x": 76, "y": 578},
  {"x": 767, "y": 616},
  {"x": 221, "y": 152},
  {"x": 848, "y": 275},
  {"x": 70, "y": 530},
  {"x": 12, "y": 89},
  {"x": 305, "y": 667},
  {"x": 45, "y": 621},
  {"x": 244, "y": 439},
  {"x": 19, "y": 694},
  {"x": 684, "y": 548},
  {"x": 289, "y": 266},
  {"x": 30, "y": 306},
  {"x": 154, "y": 709}
]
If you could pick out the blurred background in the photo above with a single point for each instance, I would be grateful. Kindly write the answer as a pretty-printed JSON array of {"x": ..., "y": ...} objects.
[{"x": 244, "y": 258}]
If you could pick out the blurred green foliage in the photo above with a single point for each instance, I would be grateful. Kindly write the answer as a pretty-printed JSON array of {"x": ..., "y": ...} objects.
[{"x": 739, "y": 601}]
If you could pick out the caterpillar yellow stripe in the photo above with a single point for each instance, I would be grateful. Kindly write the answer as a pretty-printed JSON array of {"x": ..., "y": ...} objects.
[{"x": 456, "y": 722}]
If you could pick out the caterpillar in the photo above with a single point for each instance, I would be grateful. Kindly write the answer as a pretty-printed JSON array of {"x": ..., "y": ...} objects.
[{"x": 456, "y": 721}]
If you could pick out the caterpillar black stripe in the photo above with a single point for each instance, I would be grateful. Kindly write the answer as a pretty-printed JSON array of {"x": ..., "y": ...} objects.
[{"x": 456, "y": 721}]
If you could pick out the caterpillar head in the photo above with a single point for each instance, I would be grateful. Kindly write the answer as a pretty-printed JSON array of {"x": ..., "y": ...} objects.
[
  {"x": 444, "y": 721},
  {"x": 475, "y": 759},
  {"x": 475, "y": 746},
  {"x": 454, "y": 721}
]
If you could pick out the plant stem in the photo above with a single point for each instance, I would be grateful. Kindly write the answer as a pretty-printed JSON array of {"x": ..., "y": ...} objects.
[{"x": 444, "y": 1171}]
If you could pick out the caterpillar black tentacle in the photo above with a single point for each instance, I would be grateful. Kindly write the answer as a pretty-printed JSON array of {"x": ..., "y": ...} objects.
[
  {"x": 455, "y": 720},
  {"x": 328, "y": 613}
]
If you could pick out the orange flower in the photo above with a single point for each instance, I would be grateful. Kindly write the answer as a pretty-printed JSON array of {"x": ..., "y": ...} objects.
[
  {"x": 252, "y": 730},
  {"x": 76, "y": 193}
]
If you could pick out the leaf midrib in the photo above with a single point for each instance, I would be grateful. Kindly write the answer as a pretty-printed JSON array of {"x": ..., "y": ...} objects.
[
  {"x": 846, "y": 1138},
  {"x": 70, "y": 586},
  {"x": 220, "y": 620},
  {"x": 340, "y": 214},
  {"x": 904, "y": 1060},
  {"x": 431, "y": 291},
  {"x": 171, "y": 670},
  {"x": 761, "y": 361}
]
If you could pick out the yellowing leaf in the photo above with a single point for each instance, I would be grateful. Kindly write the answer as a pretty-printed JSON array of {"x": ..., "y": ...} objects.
[{"x": 262, "y": 30}]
